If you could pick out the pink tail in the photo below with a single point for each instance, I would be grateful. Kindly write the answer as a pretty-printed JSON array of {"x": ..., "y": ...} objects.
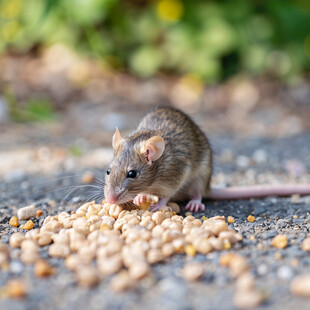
[{"x": 257, "y": 191}]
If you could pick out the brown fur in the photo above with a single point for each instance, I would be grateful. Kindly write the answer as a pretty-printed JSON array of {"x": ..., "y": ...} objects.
[{"x": 184, "y": 169}]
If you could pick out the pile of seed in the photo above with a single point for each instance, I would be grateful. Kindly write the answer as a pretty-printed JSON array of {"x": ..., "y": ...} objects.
[{"x": 103, "y": 239}]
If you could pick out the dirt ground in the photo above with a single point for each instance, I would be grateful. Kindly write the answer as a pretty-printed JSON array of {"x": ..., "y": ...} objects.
[{"x": 259, "y": 131}]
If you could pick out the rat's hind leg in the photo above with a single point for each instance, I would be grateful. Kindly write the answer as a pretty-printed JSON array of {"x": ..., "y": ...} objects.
[
  {"x": 195, "y": 189},
  {"x": 195, "y": 204}
]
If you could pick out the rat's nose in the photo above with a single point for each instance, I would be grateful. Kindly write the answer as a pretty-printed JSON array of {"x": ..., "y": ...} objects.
[{"x": 111, "y": 197}]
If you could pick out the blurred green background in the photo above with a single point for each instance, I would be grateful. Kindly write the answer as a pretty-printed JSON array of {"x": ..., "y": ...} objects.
[{"x": 212, "y": 40}]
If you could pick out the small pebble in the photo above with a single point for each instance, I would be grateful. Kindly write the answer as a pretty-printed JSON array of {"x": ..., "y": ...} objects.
[
  {"x": 262, "y": 269},
  {"x": 285, "y": 273},
  {"x": 16, "y": 267}
]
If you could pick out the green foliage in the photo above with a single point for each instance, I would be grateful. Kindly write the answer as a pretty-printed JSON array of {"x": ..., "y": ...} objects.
[
  {"x": 33, "y": 110},
  {"x": 212, "y": 39},
  {"x": 76, "y": 150}
]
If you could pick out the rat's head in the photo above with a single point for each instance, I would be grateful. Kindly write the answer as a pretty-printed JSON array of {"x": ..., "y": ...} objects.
[{"x": 132, "y": 169}]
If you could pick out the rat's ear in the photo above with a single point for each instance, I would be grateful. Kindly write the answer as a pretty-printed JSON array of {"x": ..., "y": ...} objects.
[
  {"x": 153, "y": 148},
  {"x": 117, "y": 139}
]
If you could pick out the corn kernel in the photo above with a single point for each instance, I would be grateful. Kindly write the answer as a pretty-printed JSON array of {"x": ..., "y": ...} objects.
[
  {"x": 230, "y": 219},
  {"x": 227, "y": 245},
  {"x": 279, "y": 241},
  {"x": 28, "y": 225},
  {"x": 251, "y": 218},
  {"x": 39, "y": 213},
  {"x": 14, "y": 221},
  {"x": 190, "y": 250}
]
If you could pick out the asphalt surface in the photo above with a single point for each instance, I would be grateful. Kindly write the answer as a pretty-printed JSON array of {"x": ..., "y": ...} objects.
[{"x": 237, "y": 161}]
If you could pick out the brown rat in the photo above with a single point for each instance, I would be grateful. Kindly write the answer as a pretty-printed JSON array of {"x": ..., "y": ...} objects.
[{"x": 170, "y": 157}]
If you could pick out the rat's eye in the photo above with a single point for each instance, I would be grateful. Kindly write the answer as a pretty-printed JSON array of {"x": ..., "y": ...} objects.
[
  {"x": 108, "y": 171},
  {"x": 132, "y": 174}
]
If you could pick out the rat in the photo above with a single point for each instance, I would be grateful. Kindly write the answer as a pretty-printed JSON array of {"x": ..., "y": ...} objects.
[{"x": 170, "y": 157}]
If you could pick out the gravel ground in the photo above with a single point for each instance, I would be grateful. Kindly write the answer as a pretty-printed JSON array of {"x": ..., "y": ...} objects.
[{"x": 237, "y": 161}]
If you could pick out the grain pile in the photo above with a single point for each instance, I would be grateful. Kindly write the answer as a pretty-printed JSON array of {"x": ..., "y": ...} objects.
[{"x": 99, "y": 240}]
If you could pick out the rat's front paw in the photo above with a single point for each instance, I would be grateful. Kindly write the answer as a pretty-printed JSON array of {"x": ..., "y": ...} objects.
[
  {"x": 155, "y": 207},
  {"x": 195, "y": 205},
  {"x": 139, "y": 199}
]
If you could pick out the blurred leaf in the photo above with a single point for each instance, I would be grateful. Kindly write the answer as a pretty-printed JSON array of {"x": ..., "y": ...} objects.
[
  {"x": 34, "y": 110},
  {"x": 76, "y": 150},
  {"x": 212, "y": 39},
  {"x": 146, "y": 61}
]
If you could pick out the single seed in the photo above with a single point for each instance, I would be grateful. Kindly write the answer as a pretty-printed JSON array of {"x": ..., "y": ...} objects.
[
  {"x": 248, "y": 299},
  {"x": 14, "y": 221},
  {"x": 251, "y": 218},
  {"x": 301, "y": 285},
  {"x": 43, "y": 269},
  {"x": 121, "y": 282},
  {"x": 168, "y": 249},
  {"x": 202, "y": 245},
  {"x": 16, "y": 288},
  {"x": 87, "y": 178},
  {"x": 238, "y": 265},
  {"x": 29, "y": 256},
  {"x": 28, "y": 245},
  {"x": 87, "y": 276},
  {"x": 52, "y": 226},
  {"x": 110, "y": 265},
  {"x": 280, "y": 241},
  {"x": 230, "y": 219},
  {"x": 155, "y": 256},
  {"x": 29, "y": 225},
  {"x": 27, "y": 212},
  {"x": 139, "y": 270},
  {"x": 16, "y": 239},
  {"x": 190, "y": 250},
  {"x": 39, "y": 213},
  {"x": 193, "y": 271},
  {"x": 73, "y": 262},
  {"x": 59, "y": 250},
  {"x": 44, "y": 239},
  {"x": 245, "y": 282},
  {"x": 306, "y": 244}
]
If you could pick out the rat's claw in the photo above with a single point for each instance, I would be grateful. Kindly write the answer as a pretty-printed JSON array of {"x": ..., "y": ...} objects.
[
  {"x": 139, "y": 199},
  {"x": 195, "y": 205}
]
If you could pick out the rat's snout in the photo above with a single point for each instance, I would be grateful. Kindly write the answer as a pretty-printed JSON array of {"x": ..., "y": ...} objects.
[
  {"x": 111, "y": 195},
  {"x": 112, "y": 198}
]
